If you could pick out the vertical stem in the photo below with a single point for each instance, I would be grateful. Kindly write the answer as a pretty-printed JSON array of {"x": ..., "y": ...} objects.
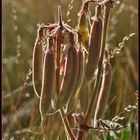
[
  {"x": 67, "y": 125},
  {"x": 90, "y": 108},
  {"x": 91, "y": 105},
  {"x": 80, "y": 135}
]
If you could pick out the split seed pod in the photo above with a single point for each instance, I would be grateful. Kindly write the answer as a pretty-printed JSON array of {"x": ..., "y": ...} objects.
[
  {"x": 70, "y": 75},
  {"x": 104, "y": 90},
  {"x": 94, "y": 44},
  {"x": 48, "y": 82},
  {"x": 37, "y": 63},
  {"x": 83, "y": 23}
]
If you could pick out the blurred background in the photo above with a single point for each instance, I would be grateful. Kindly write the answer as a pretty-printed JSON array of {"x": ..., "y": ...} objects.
[{"x": 19, "y": 30}]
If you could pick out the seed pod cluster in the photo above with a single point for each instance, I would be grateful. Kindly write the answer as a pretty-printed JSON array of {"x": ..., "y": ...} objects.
[
  {"x": 94, "y": 43},
  {"x": 70, "y": 75},
  {"x": 48, "y": 82},
  {"x": 37, "y": 63},
  {"x": 63, "y": 72},
  {"x": 104, "y": 90}
]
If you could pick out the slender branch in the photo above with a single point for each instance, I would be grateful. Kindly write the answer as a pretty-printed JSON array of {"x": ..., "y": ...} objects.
[
  {"x": 80, "y": 135},
  {"x": 67, "y": 125}
]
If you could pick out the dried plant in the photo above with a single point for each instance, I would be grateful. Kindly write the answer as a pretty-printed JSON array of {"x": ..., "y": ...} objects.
[{"x": 72, "y": 75}]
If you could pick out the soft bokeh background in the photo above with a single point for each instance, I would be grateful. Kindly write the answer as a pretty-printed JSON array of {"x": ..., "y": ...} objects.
[{"x": 20, "y": 105}]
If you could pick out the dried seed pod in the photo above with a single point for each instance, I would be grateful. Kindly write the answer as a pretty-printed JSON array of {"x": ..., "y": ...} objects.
[
  {"x": 104, "y": 90},
  {"x": 70, "y": 75},
  {"x": 81, "y": 71},
  {"x": 83, "y": 86},
  {"x": 48, "y": 82},
  {"x": 80, "y": 76},
  {"x": 37, "y": 63},
  {"x": 72, "y": 102},
  {"x": 94, "y": 43},
  {"x": 83, "y": 23}
]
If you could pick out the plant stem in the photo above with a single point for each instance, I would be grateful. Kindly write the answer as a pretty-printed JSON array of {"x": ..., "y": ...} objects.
[
  {"x": 94, "y": 95},
  {"x": 67, "y": 125},
  {"x": 90, "y": 108},
  {"x": 80, "y": 135}
]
